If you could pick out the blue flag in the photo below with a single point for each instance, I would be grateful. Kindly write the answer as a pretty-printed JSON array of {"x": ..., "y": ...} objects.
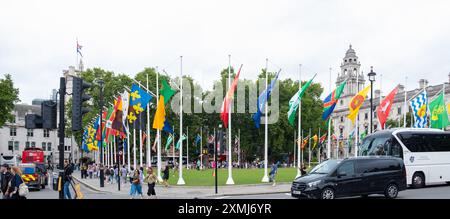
[
  {"x": 197, "y": 139},
  {"x": 167, "y": 128},
  {"x": 262, "y": 101}
]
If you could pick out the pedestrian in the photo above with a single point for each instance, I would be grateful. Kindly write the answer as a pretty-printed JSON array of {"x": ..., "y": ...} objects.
[
  {"x": 16, "y": 181},
  {"x": 123, "y": 171},
  {"x": 107, "y": 174},
  {"x": 68, "y": 170},
  {"x": 130, "y": 174},
  {"x": 166, "y": 176},
  {"x": 90, "y": 171},
  {"x": 198, "y": 164},
  {"x": 151, "y": 179},
  {"x": 273, "y": 172},
  {"x": 135, "y": 185},
  {"x": 175, "y": 169},
  {"x": 111, "y": 175},
  {"x": 6, "y": 177}
]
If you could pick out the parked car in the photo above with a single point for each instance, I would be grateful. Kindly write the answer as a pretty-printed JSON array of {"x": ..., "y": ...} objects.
[{"x": 352, "y": 177}]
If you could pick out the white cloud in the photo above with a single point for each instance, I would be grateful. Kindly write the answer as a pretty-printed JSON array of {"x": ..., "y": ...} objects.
[{"x": 37, "y": 38}]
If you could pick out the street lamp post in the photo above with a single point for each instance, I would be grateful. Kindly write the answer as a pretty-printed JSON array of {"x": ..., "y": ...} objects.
[
  {"x": 371, "y": 79},
  {"x": 102, "y": 176}
]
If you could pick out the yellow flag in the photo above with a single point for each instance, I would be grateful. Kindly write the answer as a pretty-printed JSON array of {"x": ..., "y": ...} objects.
[
  {"x": 160, "y": 114},
  {"x": 356, "y": 102}
]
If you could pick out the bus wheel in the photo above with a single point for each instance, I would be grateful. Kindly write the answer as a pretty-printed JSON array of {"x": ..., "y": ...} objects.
[{"x": 418, "y": 180}]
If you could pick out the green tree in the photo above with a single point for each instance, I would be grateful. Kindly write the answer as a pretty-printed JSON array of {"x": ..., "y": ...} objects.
[{"x": 8, "y": 97}]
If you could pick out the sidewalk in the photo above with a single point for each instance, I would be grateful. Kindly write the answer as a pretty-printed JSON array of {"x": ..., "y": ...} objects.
[{"x": 180, "y": 192}]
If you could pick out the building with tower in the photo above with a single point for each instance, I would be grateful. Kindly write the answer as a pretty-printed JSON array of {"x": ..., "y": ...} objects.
[{"x": 351, "y": 71}]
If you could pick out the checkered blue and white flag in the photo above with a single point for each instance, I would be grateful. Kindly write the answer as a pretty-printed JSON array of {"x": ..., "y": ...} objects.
[{"x": 419, "y": 108}]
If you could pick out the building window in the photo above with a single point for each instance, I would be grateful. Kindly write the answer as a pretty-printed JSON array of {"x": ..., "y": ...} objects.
[
  {"x": 366, "y": 115},
  {"x": 13, "y": 119},
  {"x": 49, "y": 146},
  {"x": 13, "y": 131},
  {"x": 43, "y": 146},
  {"x": 27, "y": 144},
  {"x": 30, "y": 132},
  {"x": 341, "y": 130},
  {"x": 33, "y": 144},
  {"x": 46, "y": 133},
  {"x": 342, "y": 102},
  {"x": 366, "y": 128},
  {"x": 10, "y": 145},
  {"x": 342, "y": 119},
  {"x": 399, "y": 111}
]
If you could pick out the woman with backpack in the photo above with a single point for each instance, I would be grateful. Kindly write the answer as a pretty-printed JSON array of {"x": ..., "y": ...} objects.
[{"x": 16, "y": 184}]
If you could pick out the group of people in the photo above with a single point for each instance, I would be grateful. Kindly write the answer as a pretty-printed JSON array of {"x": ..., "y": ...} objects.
[
  {"x": 11, "y": 179},
  {"x": 138, "y": 177}
]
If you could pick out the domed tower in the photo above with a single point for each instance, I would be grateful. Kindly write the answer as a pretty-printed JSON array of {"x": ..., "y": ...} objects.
[{"x": 350, "y": 68}]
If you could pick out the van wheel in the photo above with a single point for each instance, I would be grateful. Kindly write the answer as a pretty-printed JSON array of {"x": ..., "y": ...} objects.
[
  {"x": 418, "y": 180},
  {"x": 327, "y": 193},
  {"x": 391, "y": 191}
]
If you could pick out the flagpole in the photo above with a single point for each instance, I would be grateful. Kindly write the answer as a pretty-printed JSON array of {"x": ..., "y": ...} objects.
[
  {"x": 329, "y": 128},
  {"x": 134, "y": 145},
  {"x": 265, "y": 177},
  {"x": 295, "y": 145},
  {"x": 230, "y": 180},
  {"x": 158, "y": 132},
  {"x": 114, "y": 150},
  {"x": 309, "y": 149},
  {"x": 201, "y": 147},
  {"x": 379, "y": 105},
  {"x": 187, "y": 147},
  {"x": 443, "y": 94},
  {"x": 149, "y": 151},
  {"x": 405, "y": 107},
  {"x": 239, "y": 148},
  {"x": 357, "y": 118},
  {"x": 337, "y": 141},
  {"x": 299, "y": 151},
  {"x": 320, "y": 145},
  {"x": 180, "y": 178},
  {"x": 128, "y": 149}
]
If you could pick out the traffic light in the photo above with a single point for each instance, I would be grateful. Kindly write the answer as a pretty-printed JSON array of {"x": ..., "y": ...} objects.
[
  {"x": 78, "y": 98},
  {"x": 48, "y": 113},
  {"x": 33, "y": 121}
]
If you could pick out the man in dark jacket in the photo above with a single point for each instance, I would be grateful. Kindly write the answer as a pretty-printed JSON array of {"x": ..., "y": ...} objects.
[
  {"x": 68, "y": 169},
  {"x": 6, "y": 176}
]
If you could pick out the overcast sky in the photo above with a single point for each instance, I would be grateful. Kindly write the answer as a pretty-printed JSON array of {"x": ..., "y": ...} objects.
[{"x": 38, "y": 38}]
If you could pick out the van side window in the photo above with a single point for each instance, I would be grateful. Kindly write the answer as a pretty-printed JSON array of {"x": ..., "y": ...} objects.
[
  {"x": 348, "y": 168},
  {"x": 395, "y": 148},
  {"x": 366, "y": 166}
]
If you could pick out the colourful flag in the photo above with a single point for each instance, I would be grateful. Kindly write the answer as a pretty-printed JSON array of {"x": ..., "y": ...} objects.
[
  {"x": 138, "y": 102},
  {"x": 295, "y": 101},
  {"x": 385, "y": 107},
  {"x": 159, "y": 120},
  {"x": 419, "y": 108},
  {"x": 356, "y": 103},
  {"x": 322, "y": 139},
  {"x": 304, "y": 142},
  {"x": 125, "y": 104},
  {"x": 227, "y": 100},
  {"x": 169, "y": 140},
  {"x": 108, "y": 125},
  {"x": 261, "y": 101},
  {"x": 439, "y": 115},
  {"x": 79, "y": 49},
  {"x": 330, "y": 101},
  {"x": 315, "y": 139},
  {"x": 197, "y": 139},
  {"x": 117, "y": 122},
  {"x": 363, "y": 135},
  {"x": 179, "y": 141}
]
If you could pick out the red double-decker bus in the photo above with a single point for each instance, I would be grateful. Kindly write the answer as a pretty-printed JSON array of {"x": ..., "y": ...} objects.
[{"x": 33, "y": 155}]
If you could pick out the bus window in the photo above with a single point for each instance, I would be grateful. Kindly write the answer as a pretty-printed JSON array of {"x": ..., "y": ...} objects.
[{"x": 380, "y": 146}]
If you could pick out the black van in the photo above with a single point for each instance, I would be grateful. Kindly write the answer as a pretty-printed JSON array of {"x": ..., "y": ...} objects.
[{"x": 351, "y": 177}]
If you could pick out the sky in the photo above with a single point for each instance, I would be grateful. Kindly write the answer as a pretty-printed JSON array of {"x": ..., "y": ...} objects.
[{"x": 399, "y": 38}]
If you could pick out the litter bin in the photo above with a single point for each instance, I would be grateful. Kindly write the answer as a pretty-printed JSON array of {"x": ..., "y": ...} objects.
[{"x": 55, "y": 181}]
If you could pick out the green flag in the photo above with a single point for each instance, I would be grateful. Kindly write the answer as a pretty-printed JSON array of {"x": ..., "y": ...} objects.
[
  {"x": 179, "y": 141},
  {"x": 169, "y": 140},
  {"x": 363, "y": 135},
  {"x": 295, "y": 101},
  {"x": 166, "y": 91},
  {"x": 439, "y": 116}
]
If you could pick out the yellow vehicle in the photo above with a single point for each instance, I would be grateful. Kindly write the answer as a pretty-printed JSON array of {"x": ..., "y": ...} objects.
[{"x": 33, "y": 175}]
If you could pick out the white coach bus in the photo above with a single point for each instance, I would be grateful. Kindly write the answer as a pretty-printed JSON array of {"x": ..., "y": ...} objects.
[{"x": 425, "y": 152}]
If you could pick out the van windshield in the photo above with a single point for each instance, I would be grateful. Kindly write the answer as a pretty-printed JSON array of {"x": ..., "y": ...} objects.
[
  {"x": 325, "y": 167},
  {"x": 375, "y": 145}
]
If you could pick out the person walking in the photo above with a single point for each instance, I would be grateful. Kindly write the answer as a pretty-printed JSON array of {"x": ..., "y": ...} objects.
[
  {"x": 5, "y": 178},
  {"x": 16, "y": 181},
  {"x": 150, "y": 179},
  {"x": 90, "y": 171},
  {"x": 273, "y": 172},
  {"x": 124, "y": 174},
  {"x": 68, "y": 170},
  {"x": 166, "y": 176},
  {"x": 135, "y": 185},
  {"x": 107, "y": 174}
]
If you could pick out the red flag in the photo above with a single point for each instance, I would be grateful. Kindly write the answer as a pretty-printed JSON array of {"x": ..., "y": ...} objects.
[
  {"x": 227, "y": 100},
  {"x": 385, "y": 107},
  {"x": 322, "y": 139}
]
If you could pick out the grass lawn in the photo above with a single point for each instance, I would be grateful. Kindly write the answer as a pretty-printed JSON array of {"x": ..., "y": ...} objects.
[{"x": 194, "y": 177}]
